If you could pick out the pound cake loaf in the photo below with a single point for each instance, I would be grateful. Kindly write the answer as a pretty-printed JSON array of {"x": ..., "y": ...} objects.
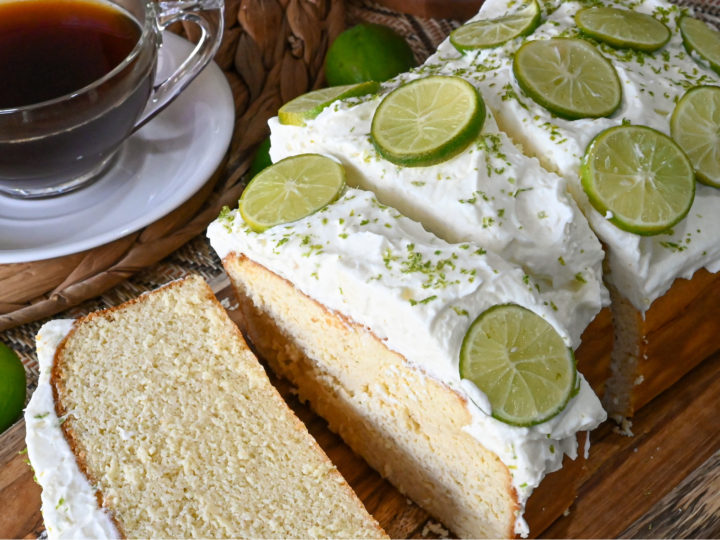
[
  {"x": 154, "y": 419},
  {"x": 658, "y": 317},
  {"x": 365, "y": 312},
  {"x": 664, "y": 286}
]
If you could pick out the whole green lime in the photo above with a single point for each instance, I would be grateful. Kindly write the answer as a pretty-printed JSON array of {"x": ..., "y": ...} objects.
[
  {"x": 261, "y": 159},
  {"x": 367, "y": 52},
  {"x": 12, "y": 387}
]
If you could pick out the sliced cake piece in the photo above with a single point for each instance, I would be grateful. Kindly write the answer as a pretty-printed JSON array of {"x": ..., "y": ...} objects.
[
  {"x": 365, "y": 312},
  {"x": 658, "y": 317},
  {"x": 154, "y": 419}
]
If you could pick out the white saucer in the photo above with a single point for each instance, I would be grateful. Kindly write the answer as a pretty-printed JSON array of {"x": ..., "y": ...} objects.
[{"x": 156, "y": 170}]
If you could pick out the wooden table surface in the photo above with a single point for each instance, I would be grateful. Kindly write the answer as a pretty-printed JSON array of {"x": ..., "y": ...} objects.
[{"x": 664, "y": 482}]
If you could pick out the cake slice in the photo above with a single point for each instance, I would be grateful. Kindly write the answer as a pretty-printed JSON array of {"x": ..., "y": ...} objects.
[
  {"x": 365, "y": 312},
  {"x": 647, "y": 275},
  {"x": 154, "y": 419}
]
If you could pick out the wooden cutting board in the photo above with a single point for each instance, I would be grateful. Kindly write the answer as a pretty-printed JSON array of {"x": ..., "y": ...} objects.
[{"x": 663, "y": 483}]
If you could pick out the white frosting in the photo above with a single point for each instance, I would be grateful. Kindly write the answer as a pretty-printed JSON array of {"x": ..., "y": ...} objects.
[
  {"x": 418, "y": 294},
  {"x": 490, "y": 194},
  {"x": 69, "y": 505},
  {"x": 642, "y": 268}
]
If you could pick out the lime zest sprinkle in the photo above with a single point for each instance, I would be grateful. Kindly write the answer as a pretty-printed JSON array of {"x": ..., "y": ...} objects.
[
  {"x": 673, "y": 246},
  {"x": 423, "y": 301}
]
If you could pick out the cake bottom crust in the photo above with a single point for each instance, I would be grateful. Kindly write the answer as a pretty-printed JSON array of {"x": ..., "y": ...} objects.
[{"x": 406, "y": 425}]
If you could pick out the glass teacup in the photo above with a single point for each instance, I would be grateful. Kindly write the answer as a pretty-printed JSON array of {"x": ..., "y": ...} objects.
[{"x": 64, "y": 143}]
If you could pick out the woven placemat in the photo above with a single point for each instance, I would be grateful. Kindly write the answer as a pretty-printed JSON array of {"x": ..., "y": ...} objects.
[
  {"x": 438, "y": 9},
  {"x": 422, "y": 33}
]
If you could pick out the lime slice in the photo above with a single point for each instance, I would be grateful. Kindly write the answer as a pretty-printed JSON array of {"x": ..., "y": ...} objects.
[
  {"x": 520, "y": 362},
  {"x": 291, "y": 189},
  {"x": 698, "y": 37},
  {"x": 12, "y": 387},
  {"x": 569, "y": 77},
  {"x": 638, "y": 178},
  {"x": 695, "y": 126},
  {"x": 308, "y": 106},
  {"x": 623, "y": 28},
  {"x": 427, "y": 120},
  {"x": 494, "y": 32}
]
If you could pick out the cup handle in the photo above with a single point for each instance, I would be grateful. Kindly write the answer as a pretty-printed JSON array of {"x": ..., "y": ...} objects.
[{"x": 167, "y": 13}]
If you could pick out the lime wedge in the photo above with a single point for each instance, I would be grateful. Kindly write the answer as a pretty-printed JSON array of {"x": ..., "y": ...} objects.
[
  {"x": 569, "y": 77},
  {"x": 520, "y": 362},
  {"x": 494, "y": 32},
  {"x": 695, "y": 126},
  {"x": 623, "y": 28},
  {"x": 638, "y": 178},
  {"x": 427, "y": 120},
  {"x": 12, "y": 387},
  {"x": 308, "y": 106},
  {"x": 291, "y": 189},
  {"x": 698, "y": 37}
]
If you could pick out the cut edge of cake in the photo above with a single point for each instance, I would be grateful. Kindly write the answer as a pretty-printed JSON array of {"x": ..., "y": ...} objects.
[
  {"x": 317, "y": 350},
  {"x": 679, "y": 331}
]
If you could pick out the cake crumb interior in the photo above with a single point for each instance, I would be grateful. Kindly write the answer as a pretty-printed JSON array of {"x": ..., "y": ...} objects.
[{"x": 178, "y": 427}]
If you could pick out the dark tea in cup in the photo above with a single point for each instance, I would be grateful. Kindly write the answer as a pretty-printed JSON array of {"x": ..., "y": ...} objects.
[
  {"x": 49, "y": 48},
  {"x": 54, "y": 48},
  {"x": 76, "y": 79}
]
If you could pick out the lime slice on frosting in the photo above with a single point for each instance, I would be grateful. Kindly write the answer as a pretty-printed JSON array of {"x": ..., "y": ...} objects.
[
  {"x": 623, "y": 28},
  {"x": 638, "y": 178},
  {"x": 569, "y": 77},
  {"x": 699, "y": 38},
  {"x": 488, "y": 33},
  {"x": 427, "y": 121},
  {"x": 291, "y": 189},
  {"x": 695, "y": 126},
  {"x": 308, "y": 106},
  {"x": 520, "y": 362}
]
